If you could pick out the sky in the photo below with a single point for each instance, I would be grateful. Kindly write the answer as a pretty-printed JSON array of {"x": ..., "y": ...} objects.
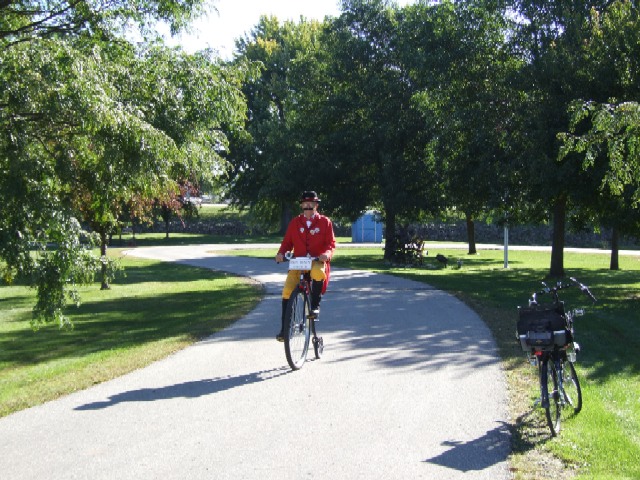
[{"x": 234, "y": 18}]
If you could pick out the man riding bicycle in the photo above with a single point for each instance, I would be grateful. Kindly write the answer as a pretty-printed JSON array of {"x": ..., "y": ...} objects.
[{"x": 310, "y": 233}]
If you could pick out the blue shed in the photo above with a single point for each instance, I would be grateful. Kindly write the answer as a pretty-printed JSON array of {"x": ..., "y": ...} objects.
[{"x": 367, "y": 228}]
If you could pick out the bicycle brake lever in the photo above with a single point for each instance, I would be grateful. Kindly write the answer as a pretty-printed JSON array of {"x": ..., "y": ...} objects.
[
  {"x": 584, "y": 289},
  {"x": 588, "y": 293}
]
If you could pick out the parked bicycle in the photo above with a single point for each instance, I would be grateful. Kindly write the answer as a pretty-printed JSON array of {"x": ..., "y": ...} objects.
[
  {"x": 299, "y": 324},
  {"x": 546, "y": 334}
]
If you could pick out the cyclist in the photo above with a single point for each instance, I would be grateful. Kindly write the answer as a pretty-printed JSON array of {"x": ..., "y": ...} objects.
[{"x": 310, "y": 233}]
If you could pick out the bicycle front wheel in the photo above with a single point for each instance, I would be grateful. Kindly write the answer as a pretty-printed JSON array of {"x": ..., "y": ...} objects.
[
  {"x": 571, "y": 387},
  {"x": 550, "y": 395},
  {"x": 297, "y": 330}
]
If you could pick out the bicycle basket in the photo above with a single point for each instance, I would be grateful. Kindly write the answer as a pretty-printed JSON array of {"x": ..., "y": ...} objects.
[{"x": 542, "y": 327}]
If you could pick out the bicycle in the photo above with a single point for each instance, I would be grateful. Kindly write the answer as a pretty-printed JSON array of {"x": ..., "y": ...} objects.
[
  {"x": 299, "y": 324},
  {"x": 546, "y": 334}
]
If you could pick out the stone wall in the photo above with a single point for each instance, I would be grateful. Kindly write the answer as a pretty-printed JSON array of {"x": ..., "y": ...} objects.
[
  {"x": 518, "y": 235},
  {"x": 432, "y": 232}
]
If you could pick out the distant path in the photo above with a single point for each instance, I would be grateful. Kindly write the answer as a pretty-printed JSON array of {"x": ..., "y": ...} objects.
[
  {"x": 410, "y": 387},
  {"x": 432, "y": 247}
]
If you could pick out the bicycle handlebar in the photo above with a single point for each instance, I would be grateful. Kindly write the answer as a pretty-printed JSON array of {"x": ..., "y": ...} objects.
[
  {"x": 584, "y": 289},
  {"x": 560, "y": 286},
  {"x": 289, "y": 255}
]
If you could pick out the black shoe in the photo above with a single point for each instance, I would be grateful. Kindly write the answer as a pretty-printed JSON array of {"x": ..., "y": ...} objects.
[
  {"x": 314, "y": 314},
  {"x": 280, "y": 336}
]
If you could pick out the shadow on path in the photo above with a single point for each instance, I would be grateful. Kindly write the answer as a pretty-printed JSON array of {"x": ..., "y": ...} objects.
[
  {"x": 193, "y": 389},
  {"x": 477, "y": 454}
]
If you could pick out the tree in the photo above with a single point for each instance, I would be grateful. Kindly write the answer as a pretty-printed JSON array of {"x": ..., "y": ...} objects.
[
  {"x": 76, "y": 139},
  {"x": 603, "y": 129},
  {"x": 610, "y": 152},
  {"x": 463, "y": 73},
  {"x": 271, "y": 165},
  {"x": 552, "y": 40},
  {"x": 26, "y": 20},
  {"x": 197, "y": 102},
  {"x": 63, "y": 120},
  {"x": 375, "y": 153}
]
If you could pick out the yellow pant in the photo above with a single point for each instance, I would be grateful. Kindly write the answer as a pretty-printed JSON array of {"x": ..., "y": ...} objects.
[{"x": 293, "y": 278}]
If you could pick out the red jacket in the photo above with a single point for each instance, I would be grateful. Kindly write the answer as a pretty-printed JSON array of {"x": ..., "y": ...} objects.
[{"x": 314, "y": 240}]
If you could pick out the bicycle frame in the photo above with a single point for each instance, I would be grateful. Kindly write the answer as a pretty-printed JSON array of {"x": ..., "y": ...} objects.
[{"x": 305, "y": 282}]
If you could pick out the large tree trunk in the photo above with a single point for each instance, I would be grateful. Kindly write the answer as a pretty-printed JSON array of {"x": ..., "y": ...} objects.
[
  {"x": 614, "y": 264},
  {"x": 471, "y": 234},
  {"x": 285, "y": 218},
  {"x": 103, "y": 254},
  {"x": 557, "y": 246},
  {"x": 166, "y": 216},
  {"x": 390, "y": 235}
]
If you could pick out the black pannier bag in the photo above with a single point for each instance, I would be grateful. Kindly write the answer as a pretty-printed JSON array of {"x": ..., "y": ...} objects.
[{"x": 542, "y": 327}]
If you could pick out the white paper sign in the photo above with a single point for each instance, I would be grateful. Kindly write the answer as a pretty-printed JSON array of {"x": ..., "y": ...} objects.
[{"x": 301, "y": 263}]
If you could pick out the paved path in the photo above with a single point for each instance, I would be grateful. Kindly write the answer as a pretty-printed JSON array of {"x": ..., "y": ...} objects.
[{"x": 409, "y": 387}]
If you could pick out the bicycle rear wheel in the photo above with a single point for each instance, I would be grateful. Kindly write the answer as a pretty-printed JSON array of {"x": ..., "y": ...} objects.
[
  {"x": 571, "y": 387},
  {"x": 297, "y": 329},
  {"x": 550, "y": 395}
]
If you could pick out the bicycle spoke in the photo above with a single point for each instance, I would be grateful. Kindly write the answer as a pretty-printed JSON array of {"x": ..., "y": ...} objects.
[
  {"x": 550, "y": 395},
  {"x": 571, "y": 387},
  {"x": 297, "y": 333}
]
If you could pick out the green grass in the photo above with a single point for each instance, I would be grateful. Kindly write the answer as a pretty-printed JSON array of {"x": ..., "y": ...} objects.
[
  {"x": 159, "y": 239},
  {"x": 603, "y": 441},
  {"x": 221, "y": 213},
  {"x": 156, "y": 309}
]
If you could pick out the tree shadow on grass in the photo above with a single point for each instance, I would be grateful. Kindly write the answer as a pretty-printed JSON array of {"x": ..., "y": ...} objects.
[
  {"x": 122, "y": 323},
  {"x": 193, "y": 389},
  {"x": 608, "y": 332},
  {"x": 164, "y": 272}
]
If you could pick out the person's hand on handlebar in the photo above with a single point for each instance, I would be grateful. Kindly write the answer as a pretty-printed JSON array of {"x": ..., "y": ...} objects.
[{"x": 323, "y": 258}]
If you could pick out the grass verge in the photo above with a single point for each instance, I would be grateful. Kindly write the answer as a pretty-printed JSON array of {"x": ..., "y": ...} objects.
[{"x": 155, "y": 310}]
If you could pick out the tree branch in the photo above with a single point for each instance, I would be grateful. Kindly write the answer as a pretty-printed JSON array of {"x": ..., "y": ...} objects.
[{"x": 45, "y": 26}]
